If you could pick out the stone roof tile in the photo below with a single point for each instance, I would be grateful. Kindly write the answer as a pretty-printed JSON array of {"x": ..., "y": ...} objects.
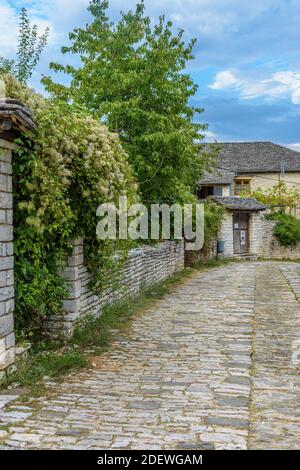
[
  {"x": 238, "y": 203},
  {"x": 256, "y": 157}
]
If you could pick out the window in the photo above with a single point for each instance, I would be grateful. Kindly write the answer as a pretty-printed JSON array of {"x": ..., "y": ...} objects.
[
  {"x": 205, "y": 191},
  {"x": 242, "y": 185},
  {"x": 210, "y": 190},
  {"x": 218, "y": 190}
]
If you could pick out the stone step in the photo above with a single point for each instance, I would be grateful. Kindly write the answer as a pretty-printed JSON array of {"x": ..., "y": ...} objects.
[{"x": 245, "y": 256}]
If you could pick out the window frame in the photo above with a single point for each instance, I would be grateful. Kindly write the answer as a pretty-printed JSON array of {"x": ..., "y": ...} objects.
[{"x": 242, "y": 180}]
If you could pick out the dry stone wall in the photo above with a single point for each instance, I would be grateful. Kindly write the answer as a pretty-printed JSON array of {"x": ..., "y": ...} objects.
[
  {"x": 262, "y": 242},
  {"x": 266, "y": 244},
  {"x": 145, "y": 267},
  {"x": 193, "y": 258}
]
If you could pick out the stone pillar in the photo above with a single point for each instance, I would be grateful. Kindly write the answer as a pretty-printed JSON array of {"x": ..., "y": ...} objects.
[
  {"x": 226, "y": 234},
  {"x": 7, "y": 338},
  {"x": 71, "y": 309},
  {"x": 14, "y": 118}
]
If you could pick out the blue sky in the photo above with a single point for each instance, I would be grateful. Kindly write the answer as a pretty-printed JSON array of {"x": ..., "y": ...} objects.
[{"x": 247, "y": 61}]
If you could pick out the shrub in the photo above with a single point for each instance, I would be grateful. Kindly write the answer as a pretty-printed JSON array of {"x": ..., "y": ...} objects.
[
  {"x": 213, "y": 217},
  {"x": 287, "y": 229},
  {"x": 279, "y": 195},
  {"x": 62, "y": 172},
  {"x": 51, "y": 364}
]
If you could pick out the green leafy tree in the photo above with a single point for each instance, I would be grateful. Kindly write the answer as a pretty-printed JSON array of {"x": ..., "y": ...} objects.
[
  {"x": 278, "y": 197},
  {"x": 30, "y": 47},
  {"x": 132, "y": 76}
]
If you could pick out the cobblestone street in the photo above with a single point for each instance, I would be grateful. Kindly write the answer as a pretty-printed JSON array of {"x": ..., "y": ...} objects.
[{"x": 209, "y": 367}]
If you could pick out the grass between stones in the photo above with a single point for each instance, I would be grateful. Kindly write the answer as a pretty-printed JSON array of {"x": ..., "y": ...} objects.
[{"x": 52, "y": 360}]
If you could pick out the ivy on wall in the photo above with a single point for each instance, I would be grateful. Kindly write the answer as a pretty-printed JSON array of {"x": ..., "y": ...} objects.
[
  {"x": 62, "y": 172},
  {"x": 213, "y": 216}
]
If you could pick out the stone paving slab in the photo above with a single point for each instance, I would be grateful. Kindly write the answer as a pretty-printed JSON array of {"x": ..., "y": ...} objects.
[
  {"x": 275, "y": 395},
  {"x": 209, "y": 367}
]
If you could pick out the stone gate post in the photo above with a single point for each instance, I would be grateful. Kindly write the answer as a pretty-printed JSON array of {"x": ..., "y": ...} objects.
[{"x": 14, "y": 119}]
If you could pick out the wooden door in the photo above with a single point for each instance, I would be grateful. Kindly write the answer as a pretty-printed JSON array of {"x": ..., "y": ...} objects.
[{"x": 240, "y": 232}]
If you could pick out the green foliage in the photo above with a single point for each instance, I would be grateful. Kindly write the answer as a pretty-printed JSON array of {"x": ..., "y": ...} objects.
[
  {"x": 30, "y": 48},
  {"x": 43, "y": 223},
  {"x": 278, "y": 196},
  {"x": 213, "y": 216},
  {"x": 281, "y": 200},
  {"x": 287, "y": 229},
  {"x": 132, "y": 76},
  {"x": 52, "y": 364},
  {"x": 132, "y": 79},
  {"x": 62, "y": 173}
]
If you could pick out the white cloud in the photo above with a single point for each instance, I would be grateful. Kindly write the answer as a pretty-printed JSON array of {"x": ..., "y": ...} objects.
[
  {"x": 293, "y": 146},
  {"x": 210, "y": 136},
  {"x": 296, "y": 96},
  {"x": 8, "y": 29},
  {"x": 289, "y": 81},
  {"x": 227, "y": 30},
  {"x": 279, "y": 85},
  {"x": 225, "y": 79}
]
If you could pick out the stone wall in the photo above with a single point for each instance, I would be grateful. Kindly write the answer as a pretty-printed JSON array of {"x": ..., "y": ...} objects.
[
  {"x": 262, "y": 242},
  {"x": 193, "y": 257},
  {"x": 14, "y": 118},
  {"x": 7, "y": 338},
  {"x": 226, "y": 234},
  {"x": 266, "y": 244},
  {"x": 144, "y": 268}
]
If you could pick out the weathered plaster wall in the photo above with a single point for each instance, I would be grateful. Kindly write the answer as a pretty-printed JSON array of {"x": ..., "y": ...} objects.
[
  {"x": 144, "y": 268},
  {"x": 268, "y": 180},
  {"x": 226, "y": 190},
  {"x": 7, "y": 338}
]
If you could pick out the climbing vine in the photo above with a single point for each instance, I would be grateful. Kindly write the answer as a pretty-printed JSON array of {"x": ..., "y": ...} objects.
[{"x": 62, "y": 172}]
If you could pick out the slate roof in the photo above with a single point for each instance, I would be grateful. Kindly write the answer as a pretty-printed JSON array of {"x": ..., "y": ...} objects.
[
  {"x": 14, "y": 115},
  {"x": 218, "y": 177},
  {"x": 239, "y": 203},
  {"x": 256, "y": 157}
]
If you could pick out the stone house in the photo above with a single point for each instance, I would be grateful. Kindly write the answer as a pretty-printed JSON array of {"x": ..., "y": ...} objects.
[
  {"x": 240, "y": 230},
  {"x": 243, "y": 167}
]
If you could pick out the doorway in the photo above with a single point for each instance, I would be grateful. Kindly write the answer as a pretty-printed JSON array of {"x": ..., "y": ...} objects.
[{"x": 241, "y": 232}]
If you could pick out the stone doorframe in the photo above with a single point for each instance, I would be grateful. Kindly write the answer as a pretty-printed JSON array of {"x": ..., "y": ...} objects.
[{"x": 14, "y": 119}]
